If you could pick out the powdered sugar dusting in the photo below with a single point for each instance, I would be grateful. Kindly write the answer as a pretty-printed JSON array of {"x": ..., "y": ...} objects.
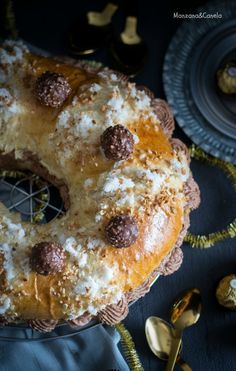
[
  {"x": 5, "y": 303},
  {"x": 94, "y": 88},
  {"x": 155, "y": 231},
  {"x": 88, "y": 182},
  {"x": 63, "y": 120},
  {"x": 84, "y": 127},
  {"x": 114, "y": 183},
  {"x": 5, "y": 97},
  {"x": 15, "y": 231},
  {"x": 142, "y": 101},
  {"x": 94, "y": 243},
  {"x": 98, "y": 106},
  {"x": 12, "y": 52},
  {"x": 95, "y": 285},
  {"x": 72, "y": 247},
  {"x": 6, "y": 249}
]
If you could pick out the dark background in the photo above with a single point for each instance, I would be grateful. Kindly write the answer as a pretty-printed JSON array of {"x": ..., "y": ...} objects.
[{"x": 209, "y": 345}]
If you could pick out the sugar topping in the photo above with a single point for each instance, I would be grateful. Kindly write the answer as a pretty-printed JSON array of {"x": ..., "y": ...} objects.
[
  {"x": 114, "y": 183},
  {"x": 12, "y": 52},
  {"x": 63, "y": 120},
  {"x": 94, "y": 284},
  {"x": 98, "y": 106},
  {"x": 156, "y": 178},
  {"x": 5, "y": 97},
  {"x": 5, "y": 303},
  {"x": 130, "y": 185},
  {"x": 83, "y": 260},
  {"x": 116, "y": 102},
  {"x": 142, "y": 100},
  {"x": 72, "y": 247},
  {"x": 84, "y": 127},
  {"x": 14, "y": 231},
  {"x": 127, "y": 199},
  {"x": 155, "y": 231},
  {"x": 94, "y": 88},
  {"x": 6, "y": 249},
  {"x": 88, "y": 182},
  {"x": 94, "y": 243},
  {"x": 113, "y": 77}
]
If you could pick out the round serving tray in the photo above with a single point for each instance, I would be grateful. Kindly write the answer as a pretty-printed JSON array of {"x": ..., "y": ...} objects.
[{"x": 196, "y": 52}]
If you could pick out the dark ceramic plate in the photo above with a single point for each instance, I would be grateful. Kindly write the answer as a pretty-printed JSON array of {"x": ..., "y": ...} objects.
[{"x": 196, "y": 52}]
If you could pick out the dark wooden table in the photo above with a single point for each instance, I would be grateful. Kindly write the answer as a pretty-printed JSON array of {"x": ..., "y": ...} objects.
[{"x": 210, "y": 345}]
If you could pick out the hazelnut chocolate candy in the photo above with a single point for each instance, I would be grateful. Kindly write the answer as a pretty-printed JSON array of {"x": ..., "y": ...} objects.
[
  {"x": 117, "y": 143},
  {"x": 47, "y": 258},
  {"x": 121, "y": 231},
  {"x": 52, "y": 89}
]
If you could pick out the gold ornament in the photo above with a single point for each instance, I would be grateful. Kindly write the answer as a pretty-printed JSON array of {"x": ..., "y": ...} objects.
[
  {"x": 226, "y": 292},
  {"x": 129, "y": 348},
  {"x": 226, "y": 78},
  {"x": 205, "y": 241}
]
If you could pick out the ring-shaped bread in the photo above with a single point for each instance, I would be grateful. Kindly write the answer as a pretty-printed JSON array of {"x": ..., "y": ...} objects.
[{"x": 127, "y": 187}]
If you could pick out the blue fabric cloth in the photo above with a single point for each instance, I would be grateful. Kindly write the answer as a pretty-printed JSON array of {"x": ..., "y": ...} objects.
[{"x": 95, "y": 349}]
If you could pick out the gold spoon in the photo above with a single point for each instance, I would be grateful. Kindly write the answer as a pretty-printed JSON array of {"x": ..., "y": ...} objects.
[
  {"x": 185, "y": 312},
  {"x": 159, "y": 335}
]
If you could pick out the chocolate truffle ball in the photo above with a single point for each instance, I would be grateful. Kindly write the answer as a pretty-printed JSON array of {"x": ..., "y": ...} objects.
[
  {"x": 47, "y": 258},
  {"x": 117, "y": 143},
  {"x": 121, "y": 231},
  {"x": 52, "y": 89}
]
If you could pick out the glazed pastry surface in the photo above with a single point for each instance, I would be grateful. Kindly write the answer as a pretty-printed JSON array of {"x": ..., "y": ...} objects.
[{"x": 63, "y": 145}]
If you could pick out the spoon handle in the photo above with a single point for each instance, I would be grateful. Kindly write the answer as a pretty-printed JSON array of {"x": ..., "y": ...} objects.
[
  {"x": 183, "y": 365},
  {"x": 174, "y": 351}
]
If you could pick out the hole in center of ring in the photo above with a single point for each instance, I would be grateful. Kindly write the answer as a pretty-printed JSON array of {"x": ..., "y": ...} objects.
[{"x": 35, "y": 199}]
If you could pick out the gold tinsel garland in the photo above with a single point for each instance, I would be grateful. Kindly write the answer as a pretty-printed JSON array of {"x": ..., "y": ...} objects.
[
  {"x": 129, "y": 350},
  {"x": 206, "y": 241}
]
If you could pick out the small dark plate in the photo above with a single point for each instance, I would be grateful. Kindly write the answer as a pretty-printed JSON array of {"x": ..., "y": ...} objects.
[
  {"x": 198, "y": 49},
  {"x": 218, "y": 47}
]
